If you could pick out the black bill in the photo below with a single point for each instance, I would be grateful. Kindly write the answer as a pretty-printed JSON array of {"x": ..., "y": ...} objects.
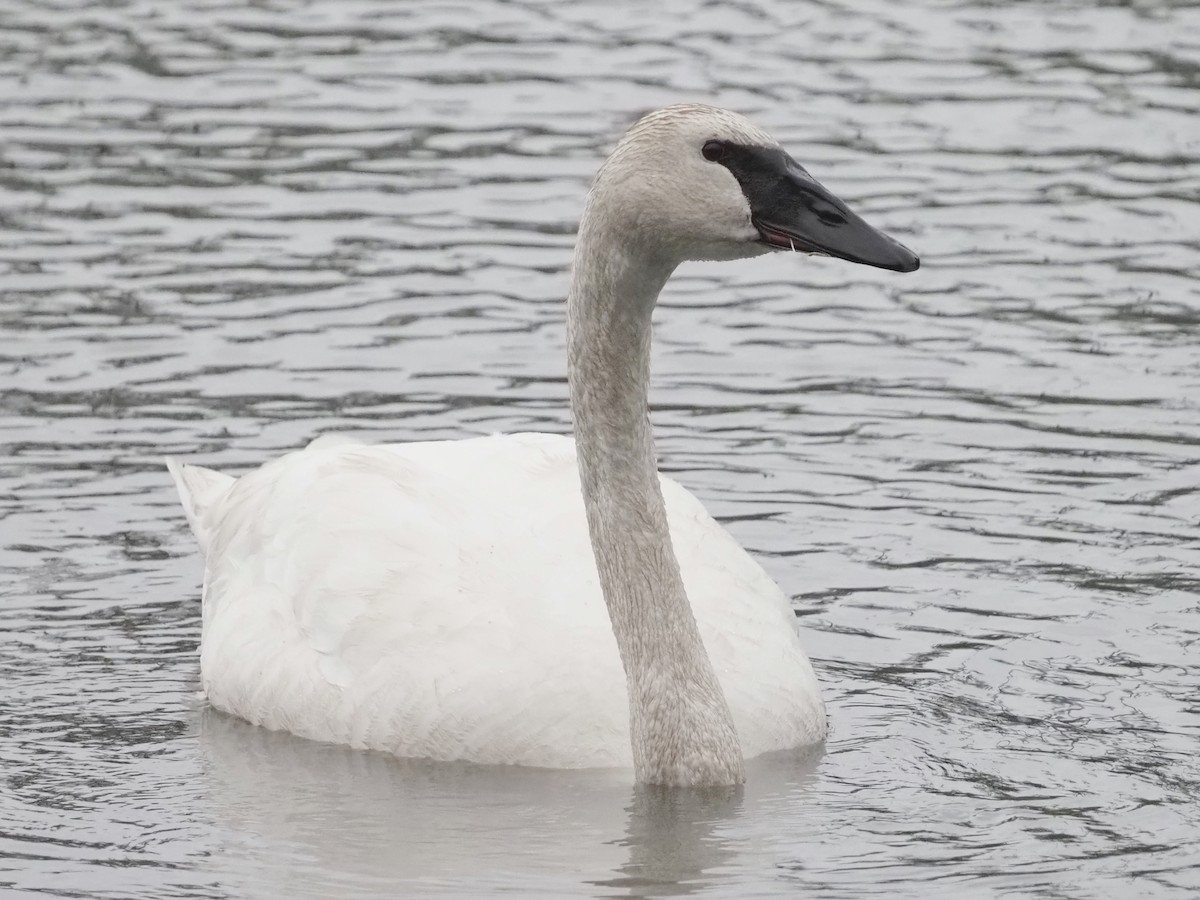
[{"x": 794, "y": 211}]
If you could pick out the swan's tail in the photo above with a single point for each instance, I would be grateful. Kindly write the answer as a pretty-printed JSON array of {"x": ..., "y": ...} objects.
[{"x": 199, "y": 489}]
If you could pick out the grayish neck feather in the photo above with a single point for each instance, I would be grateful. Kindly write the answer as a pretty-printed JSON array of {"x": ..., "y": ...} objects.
[{"x": 682, "y": 730}]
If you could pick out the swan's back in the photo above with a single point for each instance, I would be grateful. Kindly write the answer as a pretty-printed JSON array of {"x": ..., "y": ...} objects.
[{"x": 440, "y": 600}]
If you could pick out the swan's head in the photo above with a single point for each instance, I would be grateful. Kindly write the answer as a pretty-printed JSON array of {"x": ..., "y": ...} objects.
[{"x": 696, "y": 182}]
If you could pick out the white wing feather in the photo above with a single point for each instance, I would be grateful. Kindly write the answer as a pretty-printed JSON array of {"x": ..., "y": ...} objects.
[{"x": 440, "y": 600}]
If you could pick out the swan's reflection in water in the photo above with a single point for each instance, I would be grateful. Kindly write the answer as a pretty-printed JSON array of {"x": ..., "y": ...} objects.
[
  {"x": 671, "y": 839},
  {"x": 303, "y": 819}
]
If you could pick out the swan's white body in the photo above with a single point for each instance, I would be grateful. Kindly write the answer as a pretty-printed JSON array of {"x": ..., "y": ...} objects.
[
  {"x": 528, "y": 599},
  {"x": 440, "y": 600}
]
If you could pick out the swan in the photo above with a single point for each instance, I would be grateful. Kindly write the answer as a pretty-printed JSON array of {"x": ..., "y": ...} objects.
[{"x": 526, "y": 599}]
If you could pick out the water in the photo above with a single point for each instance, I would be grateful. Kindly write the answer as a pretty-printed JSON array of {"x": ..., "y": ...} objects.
[{"x": 227, "y": 227}]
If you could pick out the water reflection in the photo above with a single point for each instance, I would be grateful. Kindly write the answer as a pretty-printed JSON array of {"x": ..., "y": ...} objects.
[
  {"x": 328, "y": 814},
  {"x": 672, "y": 839}
]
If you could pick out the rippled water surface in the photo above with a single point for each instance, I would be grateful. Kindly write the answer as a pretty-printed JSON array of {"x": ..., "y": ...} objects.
[{"x": 227, "y": 227}]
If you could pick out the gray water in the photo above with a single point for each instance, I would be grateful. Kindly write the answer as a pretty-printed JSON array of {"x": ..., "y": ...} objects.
[{"x": 228, "y": 227}]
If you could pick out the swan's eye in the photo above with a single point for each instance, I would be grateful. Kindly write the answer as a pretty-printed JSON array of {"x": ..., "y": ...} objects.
[{"x": 713, "y": 151}]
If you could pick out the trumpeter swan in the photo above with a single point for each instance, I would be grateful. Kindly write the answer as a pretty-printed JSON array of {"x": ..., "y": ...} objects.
[{"x": 525, "y": 599}]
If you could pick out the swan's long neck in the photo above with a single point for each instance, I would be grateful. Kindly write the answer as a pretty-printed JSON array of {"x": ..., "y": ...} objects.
[{"x": 683, "y": 733}]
